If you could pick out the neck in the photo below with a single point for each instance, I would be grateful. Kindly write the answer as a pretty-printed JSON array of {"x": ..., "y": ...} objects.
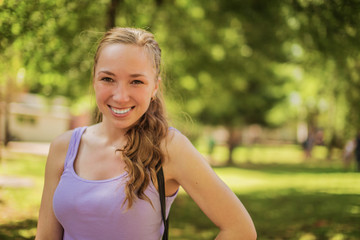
[{"x": 111, "y": 136}]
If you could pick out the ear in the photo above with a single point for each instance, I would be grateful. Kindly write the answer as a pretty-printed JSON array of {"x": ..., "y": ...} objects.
[{"x": 156, "y": 88}]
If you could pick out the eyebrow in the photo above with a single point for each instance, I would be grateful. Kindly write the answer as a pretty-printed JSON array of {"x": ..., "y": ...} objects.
[
  {"x": 135, "y": 75},
  {"x": 107, "y": 72}
]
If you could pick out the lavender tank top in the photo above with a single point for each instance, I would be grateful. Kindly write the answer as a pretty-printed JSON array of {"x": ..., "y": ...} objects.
[{"x": 91, "y": 209}]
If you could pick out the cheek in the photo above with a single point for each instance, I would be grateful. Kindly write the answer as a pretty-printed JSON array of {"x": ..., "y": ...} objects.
[
  {"x": 144, "y": 99},
  {"x": 100, "y": 94},
  {"x": 143, "y": 94}
]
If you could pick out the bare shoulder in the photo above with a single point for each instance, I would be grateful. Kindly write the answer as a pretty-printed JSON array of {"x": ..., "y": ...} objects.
[
  {"x": 58, "y": 149},
  {"x": 176, "y": 143},
  {"x": 61, "y": 142},
  {"x": 180, "y": 154}
]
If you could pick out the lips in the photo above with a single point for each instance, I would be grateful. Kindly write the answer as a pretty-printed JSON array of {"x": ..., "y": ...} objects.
[{"x": 120, "y": 111}]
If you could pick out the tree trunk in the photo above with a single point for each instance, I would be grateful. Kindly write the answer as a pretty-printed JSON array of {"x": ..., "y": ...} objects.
[
  {"x": 111, "y": 14},
  {"x": 6, "y": 125},
  {"x": 230, "y": 161},
  {"x": 152, "y": 20},
  {"x": 8, "y": 92},
  {"x": 232, "y": 143},
  {"x": 1, "y": 113}
]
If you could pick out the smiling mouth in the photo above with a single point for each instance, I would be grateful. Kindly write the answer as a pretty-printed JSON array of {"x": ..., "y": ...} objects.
[{"x": 120, "y": 111}]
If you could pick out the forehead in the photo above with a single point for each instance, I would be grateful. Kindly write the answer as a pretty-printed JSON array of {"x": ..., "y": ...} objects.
[{"x": 128, "y": 56}]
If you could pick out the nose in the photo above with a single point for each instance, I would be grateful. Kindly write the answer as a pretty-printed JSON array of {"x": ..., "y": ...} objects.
[{"x": 121, "y": 93}]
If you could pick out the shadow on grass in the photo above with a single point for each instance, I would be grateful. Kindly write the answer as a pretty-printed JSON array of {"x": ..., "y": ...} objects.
[
  {"x": 287, "y": 215},
  {"x": 18, "y": 230},
  {"x": 295, "y": 214},
  {"x": 187, "y": 221}
]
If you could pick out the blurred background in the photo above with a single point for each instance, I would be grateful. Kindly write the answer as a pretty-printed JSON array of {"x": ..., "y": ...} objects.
[{"x": 268, "y": 91}]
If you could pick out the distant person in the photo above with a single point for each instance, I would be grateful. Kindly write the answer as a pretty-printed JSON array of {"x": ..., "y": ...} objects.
[
  {"x": 348, "y": 153},
  {"x": 315, "y": 137},
  {"x": 308, "y": 145},
  {"x": 357, "y": 151},
  {"x": 101, "y": 180}
]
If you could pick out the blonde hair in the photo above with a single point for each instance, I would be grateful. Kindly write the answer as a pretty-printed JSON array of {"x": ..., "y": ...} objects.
[{"x": 142, "y": 153}]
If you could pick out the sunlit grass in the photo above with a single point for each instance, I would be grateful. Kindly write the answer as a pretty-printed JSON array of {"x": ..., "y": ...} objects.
[
  {"x": 23, "y": 165},
  {"x": 273, "y": 178},
  {"x": 20, "y": 202},
  {"x": 282, "y": 154}
]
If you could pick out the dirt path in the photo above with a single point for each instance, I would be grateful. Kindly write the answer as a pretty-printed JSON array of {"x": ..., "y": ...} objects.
[
  {"x": 22, "y": 147},
  {"x": 29, "y": 147},
  {"x": 16, "y": 182}
]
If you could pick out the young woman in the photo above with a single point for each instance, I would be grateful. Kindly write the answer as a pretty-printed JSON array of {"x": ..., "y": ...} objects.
[{"x": 100, "y": 181}]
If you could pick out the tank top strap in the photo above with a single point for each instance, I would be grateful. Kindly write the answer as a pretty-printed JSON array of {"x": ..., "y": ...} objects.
[
  {"x": 172, "y": 128},
  {"x": 73, "y": 146}
]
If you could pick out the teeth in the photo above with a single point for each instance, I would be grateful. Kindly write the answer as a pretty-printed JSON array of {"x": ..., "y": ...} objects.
[{"x": 118, "y": 111}]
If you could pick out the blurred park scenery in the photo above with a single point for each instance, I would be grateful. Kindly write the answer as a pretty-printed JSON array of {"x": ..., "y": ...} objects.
[{"x": 268, "y": 91}]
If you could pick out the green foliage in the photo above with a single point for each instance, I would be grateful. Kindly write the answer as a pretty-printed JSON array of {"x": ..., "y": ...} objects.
[
  {"x": 331, "y": 29},
  {"x": 54, "y": 40},
  {"x": 217, "y": 65},
  {"x": 227, "y": 62}
]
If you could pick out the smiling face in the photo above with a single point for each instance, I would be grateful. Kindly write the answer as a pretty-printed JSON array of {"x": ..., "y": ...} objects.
[{"x": 124, "y": 82}]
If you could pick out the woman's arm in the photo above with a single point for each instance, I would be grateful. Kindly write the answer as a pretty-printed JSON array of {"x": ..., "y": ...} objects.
[
  {"x": 48, "y": 226},
  {"x": 186, "y": 166}
]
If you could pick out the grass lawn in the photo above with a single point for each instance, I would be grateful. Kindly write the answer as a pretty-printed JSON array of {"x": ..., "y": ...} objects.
[{"x": 286, "y": 197}]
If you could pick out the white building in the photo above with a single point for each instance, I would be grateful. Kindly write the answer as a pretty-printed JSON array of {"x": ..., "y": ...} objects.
[{"x": 34, "y": 118}]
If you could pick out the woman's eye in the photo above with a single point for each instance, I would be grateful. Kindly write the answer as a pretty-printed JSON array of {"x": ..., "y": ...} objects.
[
  {"x": 137, "y": 82},
  {"x": 107, "y": 79}
]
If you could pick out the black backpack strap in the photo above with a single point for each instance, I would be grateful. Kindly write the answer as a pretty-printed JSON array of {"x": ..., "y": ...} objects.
[{"x": 161, "y": 186}]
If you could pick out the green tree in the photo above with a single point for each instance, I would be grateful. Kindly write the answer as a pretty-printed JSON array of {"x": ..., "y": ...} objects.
[
  {"x": 331, "y": 29},
  {"x": 53, "y": 40},
  {"x": 220, "y": 64},
  {"x": 226, "y": 61}
]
